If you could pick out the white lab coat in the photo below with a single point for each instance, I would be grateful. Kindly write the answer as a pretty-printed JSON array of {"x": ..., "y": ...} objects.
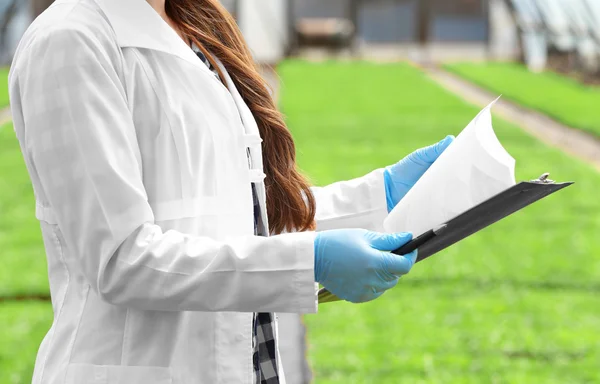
[{"x": 137, "y": 156}]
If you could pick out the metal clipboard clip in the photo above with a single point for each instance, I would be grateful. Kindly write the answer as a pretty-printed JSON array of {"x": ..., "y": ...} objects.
[{"x": 543, "y": 179}]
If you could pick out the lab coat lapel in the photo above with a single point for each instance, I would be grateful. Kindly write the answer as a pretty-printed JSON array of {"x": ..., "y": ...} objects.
[
  {"x": 137, "y": 24},
  {"x": 252, "y": 136}
]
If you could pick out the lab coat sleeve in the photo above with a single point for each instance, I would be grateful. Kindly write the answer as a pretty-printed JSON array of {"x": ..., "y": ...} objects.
[
  {"x": 81, "y": 146},
  {"x": 356, "y": 203}
]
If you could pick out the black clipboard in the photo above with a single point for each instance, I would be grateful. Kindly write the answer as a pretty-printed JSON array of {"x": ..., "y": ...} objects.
[{"x": 479, "y": 217}]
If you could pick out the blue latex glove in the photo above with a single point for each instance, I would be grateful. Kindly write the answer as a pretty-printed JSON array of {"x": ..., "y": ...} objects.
[
  {"x": 356, "y": 265},
  {"x": 400, "y": 177}
]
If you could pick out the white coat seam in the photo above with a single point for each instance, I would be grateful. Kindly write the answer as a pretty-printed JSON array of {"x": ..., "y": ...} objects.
[
  {"x": 125, "y": 329},
  {"x": 143, "y": 66},
  {"x": 215, "y": 352},
  {"x": 163, "y": 111},
  {"x": 160, "y": 270},
  {"x": 72, "y": 344},
  {"x": 62, "y": 305}
]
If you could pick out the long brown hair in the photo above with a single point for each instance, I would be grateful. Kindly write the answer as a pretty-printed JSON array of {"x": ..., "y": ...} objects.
[{"x": 290, "y": 202}]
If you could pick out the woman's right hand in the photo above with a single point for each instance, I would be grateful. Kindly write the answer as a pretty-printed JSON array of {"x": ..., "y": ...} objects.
[{"x": 356, "y": 265}]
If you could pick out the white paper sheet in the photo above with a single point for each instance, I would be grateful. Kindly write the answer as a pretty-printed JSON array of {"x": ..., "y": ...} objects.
[{"x": 472, "y": 169}]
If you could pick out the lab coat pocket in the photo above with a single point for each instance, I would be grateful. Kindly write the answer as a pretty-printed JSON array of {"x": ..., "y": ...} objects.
[{"x": 117, "y": 374}]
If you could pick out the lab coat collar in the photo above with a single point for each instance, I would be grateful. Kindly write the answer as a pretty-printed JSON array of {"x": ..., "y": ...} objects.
[{"x": 137, "y": 24}]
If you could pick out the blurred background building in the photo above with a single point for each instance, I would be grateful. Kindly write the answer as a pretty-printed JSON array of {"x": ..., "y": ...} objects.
[
  {"x": 392, "y": 28},
  {"x": 409, "y": 28},
  {"x": 565, "y": 31}
]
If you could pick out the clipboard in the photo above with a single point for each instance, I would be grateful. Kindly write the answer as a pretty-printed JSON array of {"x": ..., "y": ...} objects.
[{"x": 479, "y": 217}]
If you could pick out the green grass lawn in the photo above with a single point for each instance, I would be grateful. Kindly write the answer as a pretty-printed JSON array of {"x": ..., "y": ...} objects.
[
  {"x": 560, "y": 97},
  {"x": 516, "y": 303},
  {"x": 4, "y": 85},
  {"x": 23, "y": 264},
  {"x": 24, "y": 325},
  {"x": 23, "y": 269}
]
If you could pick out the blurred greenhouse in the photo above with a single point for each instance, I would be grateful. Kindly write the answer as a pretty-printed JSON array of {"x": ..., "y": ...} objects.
[{"x": 563, "y": 34}]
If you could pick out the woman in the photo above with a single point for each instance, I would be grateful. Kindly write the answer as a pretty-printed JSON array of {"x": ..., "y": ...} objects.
[{"x": 147, "y": 162}]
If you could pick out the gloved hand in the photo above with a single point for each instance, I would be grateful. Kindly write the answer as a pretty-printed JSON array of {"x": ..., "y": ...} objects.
[
  {"x": 354, "y": 264},
  {"x": 400, "y": 177}
]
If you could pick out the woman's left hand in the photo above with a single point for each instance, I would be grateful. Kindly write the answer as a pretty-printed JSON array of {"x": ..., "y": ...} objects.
[{"x": 400, "y": 177}]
